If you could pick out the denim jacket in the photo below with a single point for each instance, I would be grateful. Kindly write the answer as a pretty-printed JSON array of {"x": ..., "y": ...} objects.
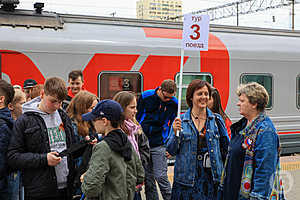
[
  {"x": 265, "y": 159},
  {"x": 185, "y": 147}
]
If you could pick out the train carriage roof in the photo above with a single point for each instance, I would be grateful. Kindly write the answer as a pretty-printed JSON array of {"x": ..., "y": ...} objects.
[{"x": 89, "y": 34}]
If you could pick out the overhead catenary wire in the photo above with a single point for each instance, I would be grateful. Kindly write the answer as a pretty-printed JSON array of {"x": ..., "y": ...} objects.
[
  {"x": 240, "y": 7},
  {"x": 93, "y": 7}
]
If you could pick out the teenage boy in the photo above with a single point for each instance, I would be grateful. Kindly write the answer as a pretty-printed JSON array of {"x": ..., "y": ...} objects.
[
  {"x": 115, "y": 169},
  {"x": 6, "y": 124},
  {"x": 157, "y": 108},
  {"x": 28, "y": 86},
  {"x": 39, "y": 134},
  {"x": 75, "y": 80}
]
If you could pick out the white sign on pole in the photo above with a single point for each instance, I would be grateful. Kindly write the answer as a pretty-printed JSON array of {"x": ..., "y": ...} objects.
[
  {"x": 195, "y": 37},
  {"x": 195, "y": 32}
]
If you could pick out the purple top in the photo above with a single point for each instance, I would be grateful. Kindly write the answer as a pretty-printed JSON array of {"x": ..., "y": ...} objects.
[{"x": 133, "y": 129}]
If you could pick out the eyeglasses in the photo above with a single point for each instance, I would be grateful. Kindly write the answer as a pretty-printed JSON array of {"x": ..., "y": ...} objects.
[{"x": 165, "y": 97}]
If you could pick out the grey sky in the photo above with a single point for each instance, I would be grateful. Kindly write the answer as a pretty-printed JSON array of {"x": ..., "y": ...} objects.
[{"x": 127, "y": 8}]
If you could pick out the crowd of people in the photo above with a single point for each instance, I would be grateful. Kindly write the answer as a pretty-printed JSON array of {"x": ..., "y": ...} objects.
[{"x": 59, "y": 142}]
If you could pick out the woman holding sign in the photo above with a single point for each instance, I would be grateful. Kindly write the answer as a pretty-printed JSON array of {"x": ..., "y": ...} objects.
[{"x": 200, "y": 147}]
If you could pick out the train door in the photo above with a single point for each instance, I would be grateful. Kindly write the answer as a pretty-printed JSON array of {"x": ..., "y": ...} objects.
[
  {"x": 298, "y": 92},
  {"x": 111, "y": 82}
]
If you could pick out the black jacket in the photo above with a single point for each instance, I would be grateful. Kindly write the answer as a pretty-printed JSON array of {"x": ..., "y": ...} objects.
[
  {"x": 66, "y": 102},
  {"x": 6, "y": 124},
  {"x": 144, "y": 148},
  {"x": 118, "y": 142},
  {"x": 28, "y": 150}
]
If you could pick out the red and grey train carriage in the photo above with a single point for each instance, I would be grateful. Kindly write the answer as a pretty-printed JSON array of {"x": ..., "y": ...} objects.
[{"x": 128, "y": 54}]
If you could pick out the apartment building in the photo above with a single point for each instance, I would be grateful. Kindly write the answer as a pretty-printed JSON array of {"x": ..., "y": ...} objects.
[{"x": 165, "y": 10}]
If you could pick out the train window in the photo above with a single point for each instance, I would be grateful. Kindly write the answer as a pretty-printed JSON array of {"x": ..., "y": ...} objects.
[
  {"x": 264, "y": 79},
  {"x": 298, "y": 91},
  {"x": 109, "y": 83},
  {"x": 187, "y": 77}
]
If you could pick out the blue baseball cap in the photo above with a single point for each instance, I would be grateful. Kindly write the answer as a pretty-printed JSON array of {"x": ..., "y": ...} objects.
[{"x": 109, "y": 109}]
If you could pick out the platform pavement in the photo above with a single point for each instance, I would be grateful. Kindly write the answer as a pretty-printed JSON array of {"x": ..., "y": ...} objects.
[{"x": 290, "y": 172}]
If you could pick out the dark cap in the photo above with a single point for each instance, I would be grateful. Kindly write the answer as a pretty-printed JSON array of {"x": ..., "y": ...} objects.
[
  {"x": 29, "y": 83},
  {"x": 109, "y": 109}
]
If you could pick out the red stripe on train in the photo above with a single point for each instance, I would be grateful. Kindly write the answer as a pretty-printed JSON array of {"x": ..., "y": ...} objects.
[
  {"x": 158, "y": 68},
  {"x": 106, "y": 62},
  {"x": 19, "y": 67},
  {"x": 163, "y": 33},
  {"x": 285, "y": 133},
  {"x": 214, "y": 61}
]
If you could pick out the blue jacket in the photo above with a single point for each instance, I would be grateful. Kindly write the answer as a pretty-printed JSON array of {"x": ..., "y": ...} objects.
[
  {"x": 185, "y": 147},
  {"x": 265, "y": 159},
  {"x": 6, "y": 126},
  {"x": 155, "y": 116}
]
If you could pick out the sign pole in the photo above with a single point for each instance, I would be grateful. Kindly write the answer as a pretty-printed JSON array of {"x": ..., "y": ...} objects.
[
  {"x": 180, "y": 87},
  {"x": 194, "y": 37}
]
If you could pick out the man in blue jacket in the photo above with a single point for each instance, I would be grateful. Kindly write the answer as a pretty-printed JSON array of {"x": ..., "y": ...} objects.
[
  {"x": 6, "y": 123},
  {"x": 157, "y": 109}
]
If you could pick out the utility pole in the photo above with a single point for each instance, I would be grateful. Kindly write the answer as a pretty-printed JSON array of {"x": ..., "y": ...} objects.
[
  {"x": 293, "y": 14},
  {"x": 237, "y": 13},
  {"x": 113, "y": 14}
]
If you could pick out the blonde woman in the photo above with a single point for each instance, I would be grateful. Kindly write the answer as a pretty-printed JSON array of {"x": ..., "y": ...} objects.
[{"x": 253, "y": 157}]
